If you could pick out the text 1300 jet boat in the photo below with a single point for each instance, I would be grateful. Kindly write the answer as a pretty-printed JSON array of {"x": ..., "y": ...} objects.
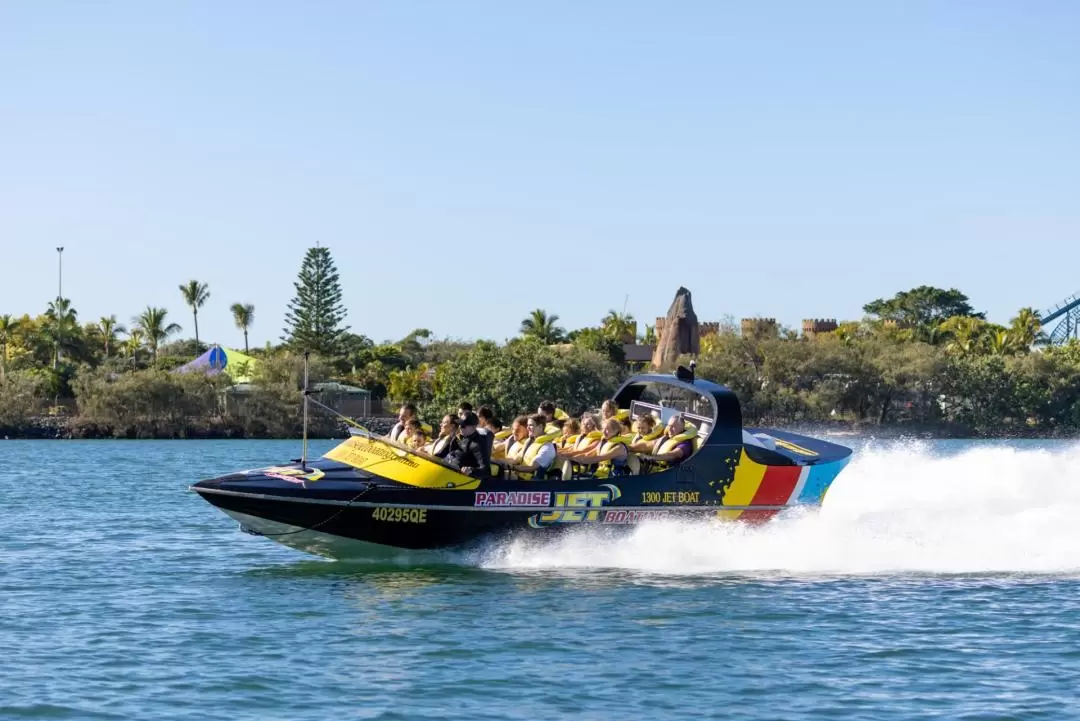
[{"x": 370, "y": 494}]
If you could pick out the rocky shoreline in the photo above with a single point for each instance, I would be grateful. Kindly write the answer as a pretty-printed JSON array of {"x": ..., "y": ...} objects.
[{"x": 57, "y": 428}]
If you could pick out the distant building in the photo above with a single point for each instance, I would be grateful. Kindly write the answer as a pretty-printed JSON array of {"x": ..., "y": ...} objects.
[
  {"x": 760, "y": 328},
  {"x": 638, "y": 357},
  {"x": 812, "y": 327}
]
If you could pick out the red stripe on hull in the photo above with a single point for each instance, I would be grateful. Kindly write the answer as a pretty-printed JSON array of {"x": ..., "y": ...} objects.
[
  {"x": 755, "y": 517},
  {"x": 776, "y": 486}
]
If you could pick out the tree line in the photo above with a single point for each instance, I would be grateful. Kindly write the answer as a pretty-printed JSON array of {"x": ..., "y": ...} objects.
[{"x": 923, "y": 359}]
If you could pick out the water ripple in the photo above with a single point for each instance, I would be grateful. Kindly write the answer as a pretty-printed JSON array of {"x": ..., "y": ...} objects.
[{"x": 124, "y": 596}]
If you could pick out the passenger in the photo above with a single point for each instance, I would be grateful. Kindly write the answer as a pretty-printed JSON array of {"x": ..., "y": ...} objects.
[
  {"x": 405, "y": 414},
  {"x": 489, "y": 427},
  {"x": 487, "y": 420},
  {"x": 570, "y": 431},
  {"x": 608, "y": 409},
  {"x": 611, "y": 455},
  {"x": 414, "y": 436},
  {"x": 538, "y": 453},
  {"x": 551, "y": 414},
  {"x": 587, "y": 440},
  {"x": 675, "y": 446},
  {"x": 468, "y": 450},
  {"x": 463, "y": 408},
  {"x": 645, "y": 434},
  {"x": 510, "y": 449},
  {"x": 448, "y": 429}
]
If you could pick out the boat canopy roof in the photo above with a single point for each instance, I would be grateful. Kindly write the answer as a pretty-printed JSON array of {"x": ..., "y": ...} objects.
[{"x": 713, "y": 407}]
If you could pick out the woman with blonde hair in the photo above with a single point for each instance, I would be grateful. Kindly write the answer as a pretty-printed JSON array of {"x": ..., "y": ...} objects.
[{"x": 609, "y": 457}]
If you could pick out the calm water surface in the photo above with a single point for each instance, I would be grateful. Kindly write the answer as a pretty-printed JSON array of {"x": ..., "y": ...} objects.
[{"x": 939, "y": 580}]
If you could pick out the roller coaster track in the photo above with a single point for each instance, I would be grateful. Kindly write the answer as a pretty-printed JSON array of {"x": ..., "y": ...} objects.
[{"x": 1069, "y": 312}]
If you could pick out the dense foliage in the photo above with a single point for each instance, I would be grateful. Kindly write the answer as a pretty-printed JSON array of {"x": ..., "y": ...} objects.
[
  {"x": 923, "y": 360},
  {"x": 517, "y": 376}
]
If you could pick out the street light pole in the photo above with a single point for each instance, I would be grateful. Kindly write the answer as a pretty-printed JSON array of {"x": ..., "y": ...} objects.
[{"x": 59, "y": 296}]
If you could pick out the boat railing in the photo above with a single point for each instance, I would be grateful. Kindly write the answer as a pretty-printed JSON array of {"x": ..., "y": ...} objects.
[{"x": 664, "y": 413}]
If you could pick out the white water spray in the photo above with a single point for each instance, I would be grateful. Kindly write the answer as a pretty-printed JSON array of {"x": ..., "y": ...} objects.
[{"x": 897, "y": 509}]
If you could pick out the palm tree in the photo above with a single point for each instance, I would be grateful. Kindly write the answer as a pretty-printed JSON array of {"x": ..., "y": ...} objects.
[
  {"x": 151, "y": 322},
  {"x": 931, "y": 333},
  {"x": 1026, "y": 328},
  {"x": 650, "y": 335},
  {"x": 109, "y": 329},
  {"x": 1000, "y": 342},
  {"x": 133, "y": 344},
  {"x": 8, "y": 327},
  {"x": 618, "y": 327},
  {"x": 195, "y": 295},
  {"x": 966, "y": 334},
  {"x": 61, "y": 327},
  {"x": 244, "y": 315},
  {"x": 542, "y": 326}
]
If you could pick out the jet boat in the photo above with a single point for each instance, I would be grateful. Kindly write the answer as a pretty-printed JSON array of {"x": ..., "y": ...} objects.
[{"x": 370, "y": 496}]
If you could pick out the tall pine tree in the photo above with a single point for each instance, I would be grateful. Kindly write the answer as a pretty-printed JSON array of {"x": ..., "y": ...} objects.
[{"x": 313, "y": 320}]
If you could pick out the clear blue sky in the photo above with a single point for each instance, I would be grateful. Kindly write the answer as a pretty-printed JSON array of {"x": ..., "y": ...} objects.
[{"x": 469, "y": 161}]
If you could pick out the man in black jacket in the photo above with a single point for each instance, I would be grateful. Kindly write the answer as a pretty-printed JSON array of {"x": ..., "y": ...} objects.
[{"x": 468, "y": 451}]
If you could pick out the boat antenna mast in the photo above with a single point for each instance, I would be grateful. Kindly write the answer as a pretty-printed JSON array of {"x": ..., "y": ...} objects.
[{"x": 306, "y": 393}]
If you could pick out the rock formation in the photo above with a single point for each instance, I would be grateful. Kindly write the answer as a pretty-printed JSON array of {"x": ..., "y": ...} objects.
[{"x": 680, "y": 335}]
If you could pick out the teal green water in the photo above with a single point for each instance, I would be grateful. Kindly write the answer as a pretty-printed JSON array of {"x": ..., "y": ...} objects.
[{"x": 938, "y": 580}]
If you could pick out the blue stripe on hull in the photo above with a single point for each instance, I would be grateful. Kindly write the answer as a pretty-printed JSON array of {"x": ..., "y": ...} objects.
[{"x": 821, "y": 477}]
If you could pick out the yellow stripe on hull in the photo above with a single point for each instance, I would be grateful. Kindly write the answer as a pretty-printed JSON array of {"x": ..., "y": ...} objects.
[{"x": 748, "y": 477}]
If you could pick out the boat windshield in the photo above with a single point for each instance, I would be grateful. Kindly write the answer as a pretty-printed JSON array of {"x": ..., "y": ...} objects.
[
  {"x": 664, "y": 413},
  {"x": 663, "y": 400}
]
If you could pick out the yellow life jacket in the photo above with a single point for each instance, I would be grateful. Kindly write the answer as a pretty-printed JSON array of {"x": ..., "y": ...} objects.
[
  {"x": 566, "y": 441},
  {"x": 604, "y": 468},
  {"x": 530, "y": 454},
  {"x": 551, "y": 428},
  {"x": 650, "y": 436},
  {"x": 667, "y": 445},
  {"x": 514, "y": 450},
  {"x": 622, "y": 414},
  {"x": 647, "y": 438},
  {"x": 498, "y": 446},
  {"x": 589, "y": 437}
]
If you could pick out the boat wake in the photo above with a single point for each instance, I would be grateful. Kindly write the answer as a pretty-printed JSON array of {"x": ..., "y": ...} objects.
[{"x": 896, "y": 509}]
